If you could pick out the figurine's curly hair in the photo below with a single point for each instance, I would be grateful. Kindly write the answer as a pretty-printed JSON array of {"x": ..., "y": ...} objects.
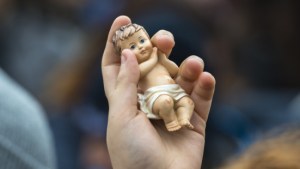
[{"x": 124, "y": 32}]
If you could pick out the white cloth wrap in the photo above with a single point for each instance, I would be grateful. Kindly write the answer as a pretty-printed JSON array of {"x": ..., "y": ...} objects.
[{"x": 147, "y": 99}]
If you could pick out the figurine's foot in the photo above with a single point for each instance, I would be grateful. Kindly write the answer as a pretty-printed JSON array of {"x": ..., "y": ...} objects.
[
  {"x": 186, "y": 123},
  {"x": 173, "y": 126}
]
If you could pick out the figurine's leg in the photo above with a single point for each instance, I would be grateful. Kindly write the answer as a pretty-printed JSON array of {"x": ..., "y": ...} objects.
[
  {"x": 185, "y": 108},
  {"x": 164, "y": 107}
]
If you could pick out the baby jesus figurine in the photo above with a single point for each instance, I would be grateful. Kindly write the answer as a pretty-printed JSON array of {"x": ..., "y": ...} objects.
[{"x": 162, "y": 98}]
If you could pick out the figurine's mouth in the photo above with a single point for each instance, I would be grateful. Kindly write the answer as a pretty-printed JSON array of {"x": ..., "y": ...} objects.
[{"x": 143, "y": 51}]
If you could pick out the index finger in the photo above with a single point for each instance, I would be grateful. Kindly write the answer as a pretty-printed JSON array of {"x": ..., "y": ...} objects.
[{"x": 109, "y": 55}]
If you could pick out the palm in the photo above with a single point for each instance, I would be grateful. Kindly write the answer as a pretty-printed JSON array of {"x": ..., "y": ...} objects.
[{"x": 154, "y": 144}]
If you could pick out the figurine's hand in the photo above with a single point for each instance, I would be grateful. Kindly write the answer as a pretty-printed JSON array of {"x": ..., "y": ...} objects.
[
  {"x": 161, "y": 57},
  {"x": 133, "y": 141},
  {"x": 154, "y": 54}
]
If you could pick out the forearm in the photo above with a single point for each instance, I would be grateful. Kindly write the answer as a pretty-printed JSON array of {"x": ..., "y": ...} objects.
[
  {"x": 170, "y": 66},
  {"x": 147, "y": 66}
]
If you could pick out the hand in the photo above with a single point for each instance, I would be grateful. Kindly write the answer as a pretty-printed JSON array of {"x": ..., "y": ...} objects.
[
  {"x": 133, "y": 140},
  {"x": 161, "y": 57},
  {"x": 154, "y": 54}
]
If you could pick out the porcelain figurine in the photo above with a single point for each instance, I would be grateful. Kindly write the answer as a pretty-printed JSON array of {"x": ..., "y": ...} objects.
[{"x": 161, "y": 97}]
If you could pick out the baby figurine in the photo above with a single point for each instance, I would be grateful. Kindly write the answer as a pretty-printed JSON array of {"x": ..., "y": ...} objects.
[{"x": 162, "y": 98}]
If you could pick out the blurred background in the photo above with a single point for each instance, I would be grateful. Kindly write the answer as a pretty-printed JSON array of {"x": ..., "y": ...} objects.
[{"x": 53, "y": 48}]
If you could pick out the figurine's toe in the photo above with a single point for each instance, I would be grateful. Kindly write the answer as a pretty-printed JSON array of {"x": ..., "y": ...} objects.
[
  {"x": 173, "y": 126},
  {"x": 186, "y": 123}
]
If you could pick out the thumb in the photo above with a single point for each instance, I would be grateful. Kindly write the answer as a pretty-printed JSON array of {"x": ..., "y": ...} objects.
[
  {"x": 125, "y": 94},
  {"x": 129, "y": 71}
]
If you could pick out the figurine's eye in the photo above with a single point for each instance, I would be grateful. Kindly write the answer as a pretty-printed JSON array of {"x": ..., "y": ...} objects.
[
  {"x": 132, "y": 47},
  {"x": 142, "y": 40}
]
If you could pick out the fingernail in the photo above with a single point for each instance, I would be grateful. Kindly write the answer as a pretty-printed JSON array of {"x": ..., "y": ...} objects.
[
  {"x": 198, "y": 58},
  {"x": 123, "y": 56},
  {"x": 166, "y": 33},
  {"x": 123, "y": 59}
]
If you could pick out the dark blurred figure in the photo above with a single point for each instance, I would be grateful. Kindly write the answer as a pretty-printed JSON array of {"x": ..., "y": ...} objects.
[
  {"x": 279, "y": 150},
  {"x": 25, "y": 138}
]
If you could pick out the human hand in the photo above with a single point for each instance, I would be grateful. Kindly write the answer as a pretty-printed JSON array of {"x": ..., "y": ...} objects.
[{"x": 133, "y": 140}]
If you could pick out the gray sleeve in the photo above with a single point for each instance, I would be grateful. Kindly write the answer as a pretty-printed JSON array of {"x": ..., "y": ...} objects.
[{"x": 25, "y": 138}]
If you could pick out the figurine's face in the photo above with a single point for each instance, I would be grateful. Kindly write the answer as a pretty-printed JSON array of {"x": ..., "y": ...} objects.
[{"x": 140, "y": 44}]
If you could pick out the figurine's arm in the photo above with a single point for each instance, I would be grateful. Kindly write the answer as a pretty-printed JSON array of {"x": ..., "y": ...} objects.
[
  {"x": 146, "y": 66},
  {"x": 168, "y": 64}
]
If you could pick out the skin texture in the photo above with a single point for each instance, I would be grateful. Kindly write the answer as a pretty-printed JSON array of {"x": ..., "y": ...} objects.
[{"x": 134, "y": 141}]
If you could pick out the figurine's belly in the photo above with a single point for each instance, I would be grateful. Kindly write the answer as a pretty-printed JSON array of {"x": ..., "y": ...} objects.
[
  {"x": 157, "y": 77},
  {"x": 161, "y": 80}
]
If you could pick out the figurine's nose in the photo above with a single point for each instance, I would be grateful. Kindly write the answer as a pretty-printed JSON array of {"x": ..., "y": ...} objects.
[{"x": 140, "y": 46}]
